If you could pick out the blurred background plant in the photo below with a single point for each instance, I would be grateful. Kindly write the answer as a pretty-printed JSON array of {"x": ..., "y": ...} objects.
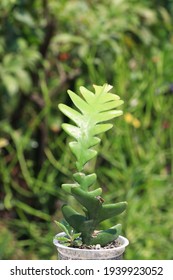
[{"x": 47, "y": 47}]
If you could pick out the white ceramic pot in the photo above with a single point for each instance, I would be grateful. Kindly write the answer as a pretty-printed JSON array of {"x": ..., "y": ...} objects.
[{"x": 69, "y": 253}]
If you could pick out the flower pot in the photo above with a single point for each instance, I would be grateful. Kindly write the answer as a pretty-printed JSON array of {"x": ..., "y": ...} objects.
[{"x": 69, "y": 253}]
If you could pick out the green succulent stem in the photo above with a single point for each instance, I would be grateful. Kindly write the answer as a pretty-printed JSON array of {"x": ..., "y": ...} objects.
[{"x": 90, "y": 118}]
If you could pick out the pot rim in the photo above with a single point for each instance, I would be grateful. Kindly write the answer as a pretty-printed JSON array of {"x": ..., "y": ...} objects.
[{"x": 123, "y": 240}]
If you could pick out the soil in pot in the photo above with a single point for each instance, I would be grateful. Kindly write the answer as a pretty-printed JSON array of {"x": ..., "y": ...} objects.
[{"x": 113, "y": 251}]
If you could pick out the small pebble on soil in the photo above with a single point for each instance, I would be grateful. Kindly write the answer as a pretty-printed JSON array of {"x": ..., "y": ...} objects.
[{"x": 111, "y": 245}]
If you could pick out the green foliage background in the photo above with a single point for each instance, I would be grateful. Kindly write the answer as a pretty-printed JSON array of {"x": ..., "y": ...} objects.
[{"x": 47, "y": 47}]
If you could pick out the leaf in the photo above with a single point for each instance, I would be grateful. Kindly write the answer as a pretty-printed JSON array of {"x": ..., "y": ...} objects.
[
  {"x": 109, "y": 97},
  {"x": 102, "y": 117},
  {"x": 106, "y": 236},
  {"x": 87, "y": 94},
  {"x": 93, "y": 141},
  {"x": 24, "y": 18},
  {"x": 99, "y": 90},
  {"x": 63, "y": 228},
  {"x": 111, "y": 210},
  {"x": 79, "y": 102},
  {"x": 99, "y": 128},
  {"x": 110, "y": 105},
  {"x": 95, "y": 109},
  {"x": 71, "y": 113},
  {"x": 74, "y": 219},
  {"x": 24, "y": 80},
  {"x": 85, "y": 181},
  {"x": 62, "y": 239},
  {"x": 76, "y": 235},
  {"x": 72, "y": 130},
  {"x": 67, "y": 187},
  {"x": 82, "y": 155},
  {"x": 75, "y": 148},
  {"x": 89, "y": 200},
  {"x": 67, "y": 244},
  {"x": 10, "y": 83}
]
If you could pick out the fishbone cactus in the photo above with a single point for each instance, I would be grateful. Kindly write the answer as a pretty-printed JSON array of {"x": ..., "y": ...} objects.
[{"x": 94, "y": 109}]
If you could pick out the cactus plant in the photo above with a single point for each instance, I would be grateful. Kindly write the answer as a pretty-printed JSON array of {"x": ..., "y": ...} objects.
[{"x": 91, "y": 118}]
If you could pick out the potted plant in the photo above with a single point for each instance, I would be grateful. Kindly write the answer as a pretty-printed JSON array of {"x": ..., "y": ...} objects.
[{"x": 81, "y": 237}]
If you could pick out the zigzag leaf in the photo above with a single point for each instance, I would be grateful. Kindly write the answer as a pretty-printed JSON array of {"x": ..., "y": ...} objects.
[{"x": 95, "y": 108}]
